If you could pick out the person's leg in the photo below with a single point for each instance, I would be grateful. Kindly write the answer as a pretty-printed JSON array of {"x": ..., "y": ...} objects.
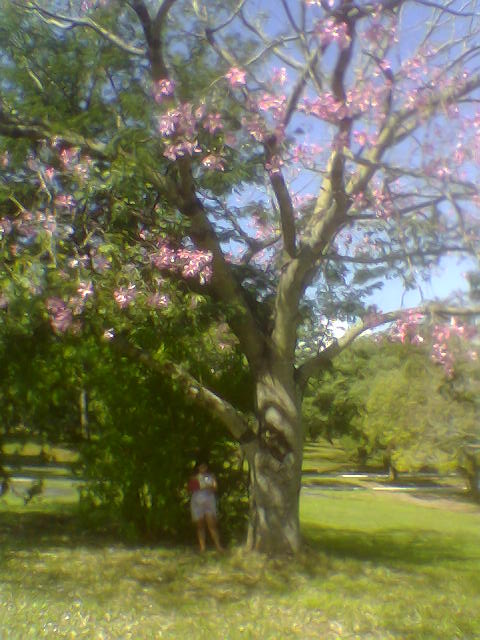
[
  {"x": 213, "y": 529},
  {"x": 201, "y": 534}
]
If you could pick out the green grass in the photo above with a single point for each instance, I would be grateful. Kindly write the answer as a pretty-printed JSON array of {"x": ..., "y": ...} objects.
[
  {"x": 32, "y": 449},
  {"x": 375, "y": 567}
]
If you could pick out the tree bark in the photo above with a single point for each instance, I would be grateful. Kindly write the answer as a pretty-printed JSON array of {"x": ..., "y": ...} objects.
[
  {"x": 472, "y": 474},
  {"x": 275, "y": 461}
]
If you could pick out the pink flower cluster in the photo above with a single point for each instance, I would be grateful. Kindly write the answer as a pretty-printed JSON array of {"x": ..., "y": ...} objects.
[
  {"x": 124, "y": 296},
  {"x": 331, "y": 30},
  {"x": 61, "y": 316},
  {"x": 214, "y": 162},
  {"x": 163, "y": 89},
  {"x": 180, "y": 149},
  {"x": 256, "y": 127},
  {"x": 182, "y": 126},
  {"x": 325, "y": 107},
  {"x": 190, "y": 263},
  {"x": 407, "y": 329},
  {"x": 273, "y": 104},
  {"x": 236, "y": 77},
  {"x": 279, "y": 77},
  {"x": 68, "y": 156},
  {"x": 441, "y": 350},
  {"x": 159, "y": 300}
]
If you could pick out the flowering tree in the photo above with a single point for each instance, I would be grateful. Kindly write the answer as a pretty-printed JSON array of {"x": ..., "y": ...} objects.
[{"x": 281, "y": 164}]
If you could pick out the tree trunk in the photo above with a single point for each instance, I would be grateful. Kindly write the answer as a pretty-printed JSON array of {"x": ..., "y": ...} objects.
[
  {"x": 472, "y": 474},
  {"x": 84, "y": 423},
  {"x": 275, "y": 460}
]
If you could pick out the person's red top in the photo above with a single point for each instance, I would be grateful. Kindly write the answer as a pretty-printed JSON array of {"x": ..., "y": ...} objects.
[{"x": 193, "y": 484}]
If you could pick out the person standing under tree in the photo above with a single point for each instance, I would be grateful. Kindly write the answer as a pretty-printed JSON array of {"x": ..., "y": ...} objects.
[{"x": 203, "y": 487}]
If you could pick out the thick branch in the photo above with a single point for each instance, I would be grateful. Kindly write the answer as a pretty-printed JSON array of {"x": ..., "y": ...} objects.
[
  {"x": 152, "y": 30},
  {"x": 223, "y": 284},
  {"x": 287, "y": 213},
  {"x": 201, "y": 395}
]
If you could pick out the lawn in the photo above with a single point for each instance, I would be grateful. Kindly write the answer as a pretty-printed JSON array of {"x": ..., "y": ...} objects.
[{"x": 374, "y": 567}]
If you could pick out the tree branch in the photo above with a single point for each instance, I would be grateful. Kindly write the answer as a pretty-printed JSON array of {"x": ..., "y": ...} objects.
[
  {"x": 152, "y": 30},
  {"x": 40, "y": 131},
  {"x": 223, "y": 284},
  {"x": 235, "y": 422},
  {"x": 66, "y": 22},
  {"x": 315, "y": 365}
]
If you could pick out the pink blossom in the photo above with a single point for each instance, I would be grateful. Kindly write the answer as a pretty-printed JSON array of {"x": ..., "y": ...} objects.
[
  {"x": 85, "y": 289},
  {"x": 255, "y": 127},
  {"x": 186, "y": 147},
  {"x": 213, "y": 123},
  {"x": 65, "y": 201},
  {"x": 168, "y": 123},
  {"x": 158, "y": 300},
  {"x": 4, "y": 160},
  {"x": 236, "y": 77},
  {"x": 330, "y": 30},
  {"x": 68, "y": 155},
  {"x": 50, "y": 174},
  {"x": 205, "y": 275},
  {"x": 162, "y": 89},
  {"x": 125, "y": 295},
  {"x": 213, "y": 162},
  {"x": 279, "y": 76},
  {"x": 60, "y": 314},
  {"x": 164, "y": 257},
  {"x": 325, "y": 107},
  {"x": 360, "y": 138},
  {"x": 272, "y": 103}
]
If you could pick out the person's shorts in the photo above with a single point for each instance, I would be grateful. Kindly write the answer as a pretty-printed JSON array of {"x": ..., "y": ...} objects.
[{"x": 203, "y": 503}]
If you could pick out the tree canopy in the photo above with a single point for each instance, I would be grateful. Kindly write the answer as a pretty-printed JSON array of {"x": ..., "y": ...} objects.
[{"x": 262, "y": 168}]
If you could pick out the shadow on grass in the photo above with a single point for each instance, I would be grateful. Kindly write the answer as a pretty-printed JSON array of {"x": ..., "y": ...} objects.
[
  {"x": 388, "y": 546},
  {"x": 65, "y": 528},
  {"x": 50, "y": 555},
  {"x": 42, "y": 528}
]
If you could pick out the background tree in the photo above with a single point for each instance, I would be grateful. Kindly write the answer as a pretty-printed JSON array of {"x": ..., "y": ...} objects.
[
  {"x": 153, "y": 158},
  {"x": 385, "y": 399}
]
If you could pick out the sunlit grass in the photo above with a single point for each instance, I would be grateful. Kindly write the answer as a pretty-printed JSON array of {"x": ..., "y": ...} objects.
[
  {"x": 53, "y": 452},
  {"x": 374, "y": 567}
]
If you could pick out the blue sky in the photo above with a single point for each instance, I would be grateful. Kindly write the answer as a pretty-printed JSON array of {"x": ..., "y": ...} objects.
[{"x": 446, "y": 279}]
